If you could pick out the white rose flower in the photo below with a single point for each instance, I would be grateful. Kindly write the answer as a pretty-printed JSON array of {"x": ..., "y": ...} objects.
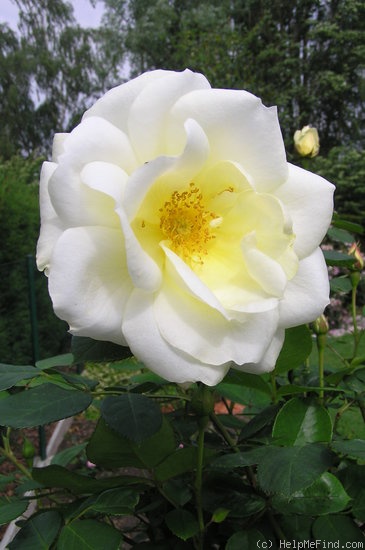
[{"x": 171, "y": 223}]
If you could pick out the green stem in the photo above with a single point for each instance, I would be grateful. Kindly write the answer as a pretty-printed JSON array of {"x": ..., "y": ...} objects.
[
  {"x": 221, "y": 428},
  {"x": 340, "y": 412},
  {"x": 321, "y": 346},
  {"x": 273, "y": 388},
  {"x": 198, "y": 481},
  {"x": 354, "y": 320},
  {"x": 8, "y": 453}
]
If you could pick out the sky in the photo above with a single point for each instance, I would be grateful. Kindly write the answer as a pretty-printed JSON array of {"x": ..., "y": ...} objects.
[{"x": 85, "y": 14}]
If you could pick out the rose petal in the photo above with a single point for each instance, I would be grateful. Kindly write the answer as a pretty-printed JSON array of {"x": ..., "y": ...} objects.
[
  {"x": 51, "y": 226},
  {"x": 309, "y": 199},
  {"x": 307, "y": 294},
  {"x": 110, "y": 181},
  {"x": 268, "y": 361},
  {"x": 175, "y": 172},
  {"x": 263, "y": 269},
  {"x": 89, "y": 282},
  {"x": 114, "y": 106},
  {"x": 147, "y": 344},
  {"x": 151, "y": 108},
  {"x": 193, "y": 327},
  {"x": 239, "y": 128},
  {"x": 97, "y": 139},
  {"x": 143, "y": 270}
]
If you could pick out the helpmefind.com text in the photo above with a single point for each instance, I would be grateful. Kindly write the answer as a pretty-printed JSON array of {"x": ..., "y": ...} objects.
[{"x": 314, "y": 544}]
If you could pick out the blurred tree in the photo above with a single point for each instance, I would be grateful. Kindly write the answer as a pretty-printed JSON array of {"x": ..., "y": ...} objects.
[
  {"x": 306, "y": 56},
  {"x": 17, "y": 111},
  {"x": 50, "y": 73}
]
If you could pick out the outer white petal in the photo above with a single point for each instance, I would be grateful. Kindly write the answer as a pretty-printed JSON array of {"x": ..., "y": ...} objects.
[
  {"x": 51, "y": 226},
  {"x": 309, "y": 200},
  {"x": 116, "y": 103},
  {"x": 58, "y": 145},
  {"x": 268, "y": 361},
  {"x": 97, "y": 139},
  {"x": 307, "y": 294},
  {"x": 150, "y": 111},
  {"x": 239, "y": 128},
  {"x": 89, "y": 283},
  {"x": 147, "y": 344},
  {"x": 193, "y": 327}
]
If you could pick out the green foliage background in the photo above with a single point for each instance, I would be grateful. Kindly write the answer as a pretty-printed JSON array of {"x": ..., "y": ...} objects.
[{"x": 19, "y": 227}]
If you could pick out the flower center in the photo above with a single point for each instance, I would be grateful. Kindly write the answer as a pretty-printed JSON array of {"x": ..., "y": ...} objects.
[{"x": 188, "y": 225}]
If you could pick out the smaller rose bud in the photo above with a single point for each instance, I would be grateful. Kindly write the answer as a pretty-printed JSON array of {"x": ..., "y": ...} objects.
[
  {"x": 355, "y": 251},
  {"x": 202, "y": 401},
  {"x": 306, "y": 141},
  {"x": 28, "y": 451},
  {"x": 320, "y": 325}
]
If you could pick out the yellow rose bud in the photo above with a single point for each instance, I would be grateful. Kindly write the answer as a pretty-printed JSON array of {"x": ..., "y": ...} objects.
[
  {"x": 320, "y": 325},
  {"x": 355, "y": 251},
  {"x": 306, "y": 141}
]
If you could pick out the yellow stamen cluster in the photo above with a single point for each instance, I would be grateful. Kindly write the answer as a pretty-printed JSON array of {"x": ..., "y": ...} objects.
[{"x": 187, "y": 224}]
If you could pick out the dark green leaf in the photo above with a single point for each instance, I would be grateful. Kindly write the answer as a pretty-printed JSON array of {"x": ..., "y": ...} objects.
[
  {"x": 353, "y": 447},
  {"x": 247, "y": 540},
  {"x": 258, "y": 422},
  {"x": 340, "y": 259},
  {"x": 38, "y": 533},
  {"x": 177, "y": 491},
  {"x": 11, "y": 508},
  {"x": 88, "y": 534},
  {"x": 297, "y": 527},
  {"x": 239, "y": 460},
  {"x": 337, "y": 529},
  {"x": 11, "y": 374},
  {"x": 245, "y": 380},
  {"x": 228, "y": 491},
  {"x": 114, "y": 502},
  {"x": 64, "y": 360},
  {"x": 297, "y": 347},
  {"x": 181, "y": 461},
  {"x": 87, "y": 349},
  {"x": 346, "y": 225},
  {"x": 352, "y": 478},
  {"x": 182, "y": 523},
  {"x": 68, "y": 455},
  {"x": 133, "y": 416},
  {"x": 41, "y": 405},
  {"x": 325, "y": 496},
  {"x": 299, "y": 423},
  {"x": 57, "y": 476},
  {"x": 340, "y": 235},
  {"x": 108, "y": 449},
  {"x": 340, "y": 284},
  {"x": 287, "y": 470},
  {"x": 358, "y": 506},
  {"x": 155, "y": 449}
]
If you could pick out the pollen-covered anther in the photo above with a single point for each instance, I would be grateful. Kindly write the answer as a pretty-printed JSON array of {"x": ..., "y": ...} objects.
[{"x": 188, "y": 225}]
